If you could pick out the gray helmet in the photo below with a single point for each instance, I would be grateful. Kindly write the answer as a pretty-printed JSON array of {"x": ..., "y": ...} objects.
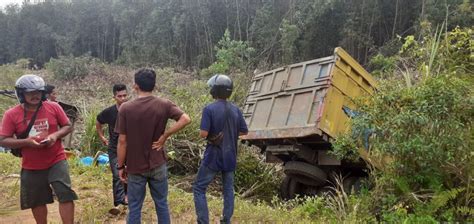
[
  {"x": 221, "y": 86},
  {"x": 29, "y": 83}
]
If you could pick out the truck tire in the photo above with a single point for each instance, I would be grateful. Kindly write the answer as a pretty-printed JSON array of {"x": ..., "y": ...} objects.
[
  {"x": 284, "y": 187},
  {"x": 289, "y": 188},
  {"x": 305, "y": 173}
]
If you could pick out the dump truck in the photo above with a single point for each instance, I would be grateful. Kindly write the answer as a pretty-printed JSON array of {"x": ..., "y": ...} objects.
[{"x": 294, "y": 113}]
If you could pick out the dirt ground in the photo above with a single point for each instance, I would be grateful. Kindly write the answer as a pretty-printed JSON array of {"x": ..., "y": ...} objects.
[
  {"x": 25, "y": 216},
  {"x": 92, "y": 202},
  {"x": 18, "y": 216}
]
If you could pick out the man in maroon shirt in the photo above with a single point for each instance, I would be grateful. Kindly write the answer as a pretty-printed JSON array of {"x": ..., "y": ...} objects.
[{"x": 141, "y": 125}]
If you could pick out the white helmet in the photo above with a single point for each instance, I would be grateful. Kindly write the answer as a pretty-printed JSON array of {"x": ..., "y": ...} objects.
[
  {"x": 221, "y": 86},
  {"x": 29, "y": 83}
]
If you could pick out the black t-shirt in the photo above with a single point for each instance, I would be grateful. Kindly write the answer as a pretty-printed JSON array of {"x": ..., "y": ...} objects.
[{"x": 109, "y": 116}]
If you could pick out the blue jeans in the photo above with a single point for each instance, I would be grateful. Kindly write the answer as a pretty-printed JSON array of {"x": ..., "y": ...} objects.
[
  {"x": 118, "y": 187},
  {"x": 157, "y": 180},
  {"x": 203, "y": 178}
]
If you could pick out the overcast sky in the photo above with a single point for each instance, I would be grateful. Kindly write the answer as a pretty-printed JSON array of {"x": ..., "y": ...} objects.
[{"x": 3, "y": 3}]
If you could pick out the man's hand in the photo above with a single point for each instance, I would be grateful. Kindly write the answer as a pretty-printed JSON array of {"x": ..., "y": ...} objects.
[
  {"x": 104, "y": 140},
  {"x": 180, "y": 124},
  {"x": 51, "y": 139},
  {"x": 100, "y": 132},
  {"x": 32, "y": 143},
  {"x": 123, "y": 175},
  {"x": 158, "y": 145}
]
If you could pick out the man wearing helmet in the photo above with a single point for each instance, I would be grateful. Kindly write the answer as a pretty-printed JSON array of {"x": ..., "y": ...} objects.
[
  {"x": 44, "y": 166},
  {"x": 221, "y": 124}
]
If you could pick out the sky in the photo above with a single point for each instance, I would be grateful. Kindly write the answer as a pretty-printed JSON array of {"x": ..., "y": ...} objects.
[{"x": 3, "y": 3}]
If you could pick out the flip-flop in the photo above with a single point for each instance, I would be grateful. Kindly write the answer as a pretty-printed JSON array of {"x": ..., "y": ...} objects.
[{"x": 114, "y": 211}]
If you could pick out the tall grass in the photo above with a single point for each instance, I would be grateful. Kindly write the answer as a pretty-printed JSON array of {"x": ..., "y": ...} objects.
[
  {"x": 434, "y": 48},
  {"x": 90, "y": 142}
]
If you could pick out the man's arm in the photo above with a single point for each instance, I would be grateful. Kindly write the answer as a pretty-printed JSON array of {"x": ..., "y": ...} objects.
[
  {"x": 121, "y": 149},
  {"x": 7, "y": 140},
  {"x": 10, "y": 142},
  {"x": 121, "y": 154},
  {"x": 100, "y": 132},
  {"x": 180, "y": 124}
]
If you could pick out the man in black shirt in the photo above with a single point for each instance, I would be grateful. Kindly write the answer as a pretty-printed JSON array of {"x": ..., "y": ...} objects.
[{"x": 109, "y": 116}]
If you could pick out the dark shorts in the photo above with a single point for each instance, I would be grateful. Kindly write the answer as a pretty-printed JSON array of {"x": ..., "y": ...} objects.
[{"x": 37, "y": 186}]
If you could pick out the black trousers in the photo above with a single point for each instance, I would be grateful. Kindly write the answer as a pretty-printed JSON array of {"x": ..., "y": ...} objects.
[{"x": 119, "y": 188}]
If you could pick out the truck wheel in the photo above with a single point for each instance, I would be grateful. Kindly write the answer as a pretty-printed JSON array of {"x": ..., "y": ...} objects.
[
  {"x": 305, "y": 173},
  {"x": 284, "y": 187},
  {"x": 289, "y": 188}
]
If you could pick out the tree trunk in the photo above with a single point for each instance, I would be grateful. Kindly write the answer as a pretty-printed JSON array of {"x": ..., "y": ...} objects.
[{"x": 395, "y": 19}]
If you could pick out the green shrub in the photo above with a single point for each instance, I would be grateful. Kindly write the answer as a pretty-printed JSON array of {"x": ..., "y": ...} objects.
[
  {"x": 215, "y": 68},
  {"x": 186, "y": 148},
  {"x": 426, "y": 131},
  {"x": 440, "y": 53},
  {"x": 382, "y": 65},
  {"x": 422, "y": 132},
  {"x": 242, "y": 83},
  {"x": 232, "y": 55},
  {"x": 69, "y": 67},
  {"x": 255, "y": 178},
  {"x": 23, "y": 63}
]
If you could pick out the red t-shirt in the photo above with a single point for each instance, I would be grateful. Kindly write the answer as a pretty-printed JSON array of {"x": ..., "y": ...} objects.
[{"x": 48, "y": 120}]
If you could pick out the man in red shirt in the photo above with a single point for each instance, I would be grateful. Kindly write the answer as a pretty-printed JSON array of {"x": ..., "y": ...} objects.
[
  {"x": 141, "y": 125},
  {"x": 44, "y": 165}
]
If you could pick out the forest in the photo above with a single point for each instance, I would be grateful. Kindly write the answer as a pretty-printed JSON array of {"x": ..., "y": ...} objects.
[{"x": 185, "y": 33}]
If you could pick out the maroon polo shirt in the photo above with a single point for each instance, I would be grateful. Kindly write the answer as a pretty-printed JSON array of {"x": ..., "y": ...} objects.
[{"x": 143, "y": 121}]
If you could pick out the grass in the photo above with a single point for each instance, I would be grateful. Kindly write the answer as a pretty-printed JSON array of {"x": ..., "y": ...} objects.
[{"x": 93, "y": 185}]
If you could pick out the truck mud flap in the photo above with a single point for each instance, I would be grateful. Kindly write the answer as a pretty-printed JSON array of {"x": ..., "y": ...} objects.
[{"x": 305, "y": 173}]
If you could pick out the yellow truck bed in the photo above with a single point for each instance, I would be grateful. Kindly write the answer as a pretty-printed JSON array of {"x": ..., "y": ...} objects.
[{"x": 305, "y": 100}]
